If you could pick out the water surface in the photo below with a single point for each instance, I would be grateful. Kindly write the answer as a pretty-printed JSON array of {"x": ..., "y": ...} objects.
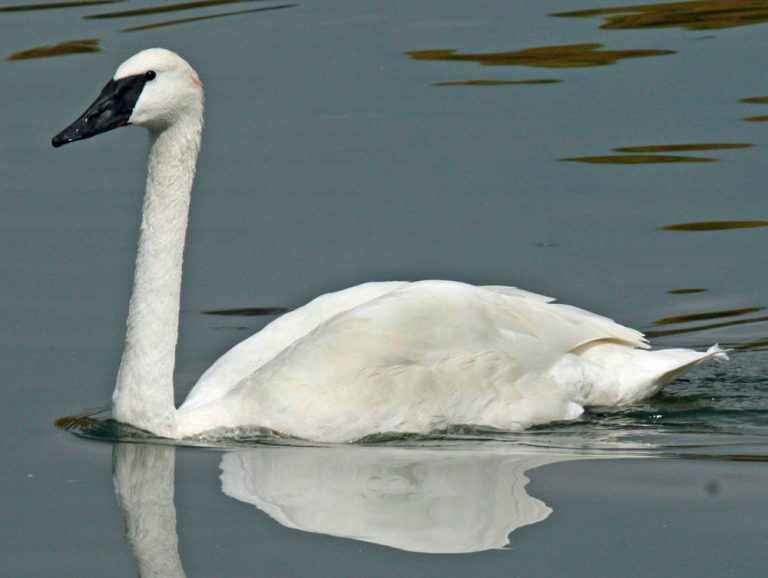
[{"x": 351, "y": 141}]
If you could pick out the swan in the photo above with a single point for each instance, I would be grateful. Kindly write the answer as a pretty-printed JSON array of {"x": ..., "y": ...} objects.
[{"x": 378, "y": 357}]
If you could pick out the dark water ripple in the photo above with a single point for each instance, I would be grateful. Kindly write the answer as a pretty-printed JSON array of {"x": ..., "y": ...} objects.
[{"x": 690, "y": 15}]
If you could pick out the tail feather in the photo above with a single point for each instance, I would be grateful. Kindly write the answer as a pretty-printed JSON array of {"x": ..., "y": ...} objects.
[
  {"x": 620, "y": 375},
  {"x": 718, "y": 353},
  {"x": 715, "y": 352}
]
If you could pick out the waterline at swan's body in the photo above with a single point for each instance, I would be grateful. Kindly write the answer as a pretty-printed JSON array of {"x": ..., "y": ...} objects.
[{"x": 379, "y": 357}]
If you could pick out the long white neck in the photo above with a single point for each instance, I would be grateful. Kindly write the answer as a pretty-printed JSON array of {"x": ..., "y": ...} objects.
[{"x": 143, "y": 395}]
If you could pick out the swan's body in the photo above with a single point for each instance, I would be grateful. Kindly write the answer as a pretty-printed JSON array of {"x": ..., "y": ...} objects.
[{"x": 379, "y": 357}]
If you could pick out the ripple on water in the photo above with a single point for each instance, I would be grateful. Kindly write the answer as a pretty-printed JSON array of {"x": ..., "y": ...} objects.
[
  {"x": 691, "y": 15},
  {"x": 649, "y": 154},
  {"x": 755, "y": 100},
  {"x": 85, "y": 46},
  {"x": 165, "y": 8},
  {"x": 564, "y": 56},
  {"x": 690, "y": 323},
  {"x": 498, "y": 82},
  {"x": 687, "y": 291},
  {"x": 248, "y": 311},
  {"x": 713, "y": 226},
  {"x": 56, "y": 5},
  {"x": 91, "y": 45},
  {"x": 190, "y": 19}
]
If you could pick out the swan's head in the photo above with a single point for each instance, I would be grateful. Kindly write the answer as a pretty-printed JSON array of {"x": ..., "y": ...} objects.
[{"x": 155, "y": 88}]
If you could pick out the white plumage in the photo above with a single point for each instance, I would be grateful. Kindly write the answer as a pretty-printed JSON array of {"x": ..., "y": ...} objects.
[{"x": 379, "y": 357}]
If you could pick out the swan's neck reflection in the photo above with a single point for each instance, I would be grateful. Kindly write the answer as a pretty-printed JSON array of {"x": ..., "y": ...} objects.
[
  {"x": 415, "y": 499},
  {"x": 143, "y": 476}
]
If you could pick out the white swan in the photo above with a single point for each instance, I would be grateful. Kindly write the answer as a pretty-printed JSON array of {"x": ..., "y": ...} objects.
[{"x": 379, "y": 357}]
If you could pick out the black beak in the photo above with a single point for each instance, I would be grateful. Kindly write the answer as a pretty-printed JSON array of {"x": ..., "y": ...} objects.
[{"x": 112, "y": 109}]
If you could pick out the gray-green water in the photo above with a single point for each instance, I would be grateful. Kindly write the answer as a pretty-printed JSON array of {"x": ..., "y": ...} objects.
[{"x": 601, "y": 158}]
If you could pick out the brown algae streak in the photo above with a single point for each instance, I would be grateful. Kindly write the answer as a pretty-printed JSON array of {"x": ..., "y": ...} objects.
[
  {"x": 166, "y": 8},
  {"x": 642, "y": 156},
  {"x": 566, "y": 56},
  {"x": 706, "y": 316},
  {"x": 638, "y": 159},
  {"x": 199, "y": 18},
  {"x": 497, "y": 82},
  {"x": 755, "y": 100},
  {"x": 687, "y": 291},
  {"x": 721, "y": 325},
  {"x": 693, "y": 317},
  {"x": 85, "y": 46},
  {"x": 56, "y": 5},
  {"x": 694, "y": 15},
  {"x": 714, "y": 226}
]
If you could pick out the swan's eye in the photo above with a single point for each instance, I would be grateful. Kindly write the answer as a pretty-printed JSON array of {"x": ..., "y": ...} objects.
[{"x": 150, "y": 75}]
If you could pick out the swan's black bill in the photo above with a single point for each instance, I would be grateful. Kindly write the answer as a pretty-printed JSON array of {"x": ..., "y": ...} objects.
[{"x": 112, "y": 109}]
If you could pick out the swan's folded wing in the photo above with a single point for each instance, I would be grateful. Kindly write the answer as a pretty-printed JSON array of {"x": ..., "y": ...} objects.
[
  {"x": 600, "y": 324},
  {"x": 515, "y": 292},
  {"x": 250, "y": 354},
  {"x": 581, "y": 317},
  {"x": 423, "y": 357},
  {"x": 420, "y": 325}
]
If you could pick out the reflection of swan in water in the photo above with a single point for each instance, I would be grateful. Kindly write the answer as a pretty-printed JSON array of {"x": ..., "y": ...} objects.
[
  {"x": 420, "y": 500},
  {"x": 435, "y": 500},
  {"x": 379, "y": 357}
]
